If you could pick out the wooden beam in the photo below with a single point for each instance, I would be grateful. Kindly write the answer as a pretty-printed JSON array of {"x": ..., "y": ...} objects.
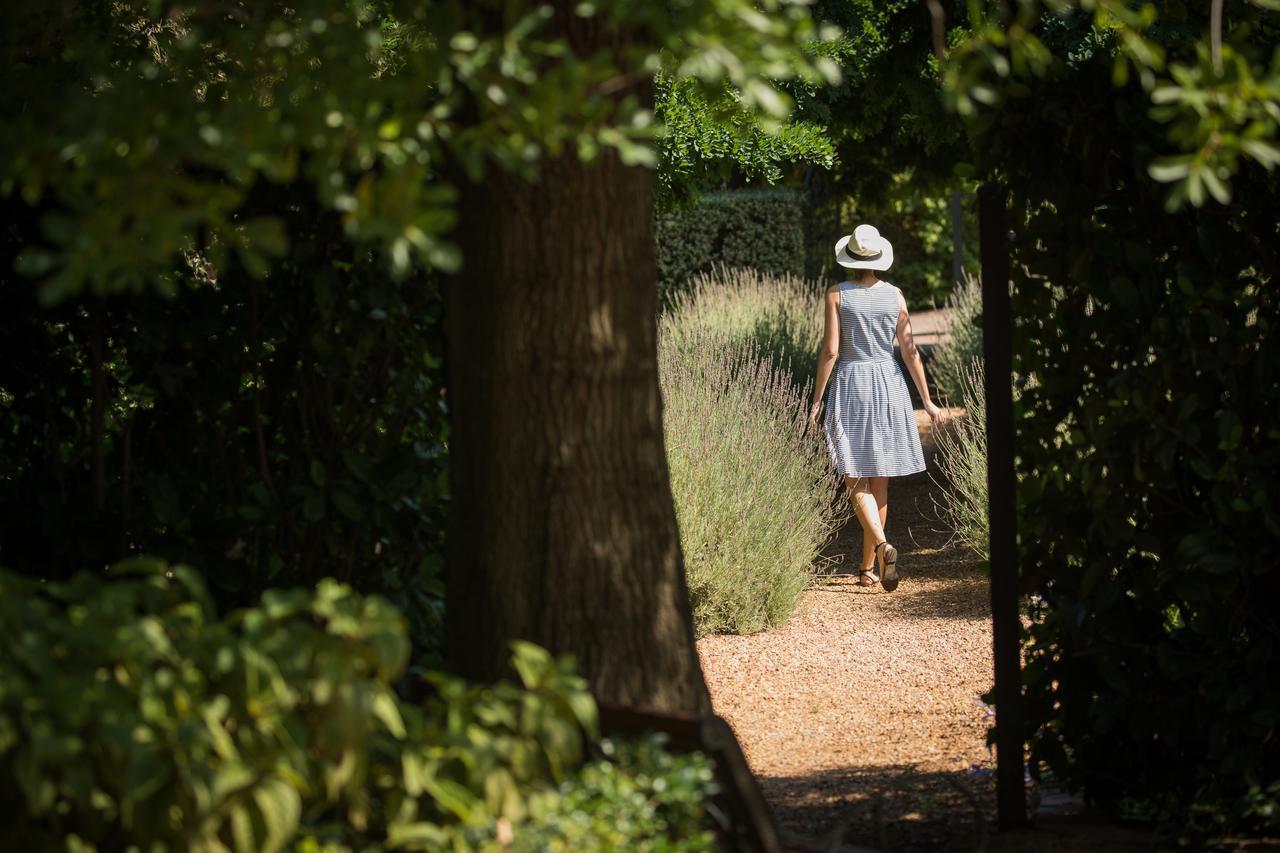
[
  {"x": 957, "y": 238},
  {"x": 1006, "y": 627}
]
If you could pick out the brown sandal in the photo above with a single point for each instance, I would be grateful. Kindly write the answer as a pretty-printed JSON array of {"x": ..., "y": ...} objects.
[
  {"x": 867, "y": 577},
  {"x": 890, "y": 566}
]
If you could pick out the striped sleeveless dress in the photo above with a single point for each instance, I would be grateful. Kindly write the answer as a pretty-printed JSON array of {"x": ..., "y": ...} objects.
[{"x": 870, "y": 426}]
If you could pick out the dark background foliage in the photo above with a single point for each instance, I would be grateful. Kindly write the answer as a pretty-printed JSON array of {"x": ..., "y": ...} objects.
[
  {"x": 1148, "y": 462},
  {"x": 899, "y": 152},
  {"x": 271, "y": 432},
  {"x": 283, "y": 420}
]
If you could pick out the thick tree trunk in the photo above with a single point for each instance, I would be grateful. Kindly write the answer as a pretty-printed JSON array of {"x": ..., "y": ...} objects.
[{"x": 562, "y": 527}]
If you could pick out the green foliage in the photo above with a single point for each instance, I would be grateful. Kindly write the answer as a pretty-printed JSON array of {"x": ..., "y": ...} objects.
[
  {"x": 899, "y": 152},
  {"x": 955, "y": 356},
  {"x": 269, "y": 433},
  {"x": 1146, "y": 449},
  {"x": 1221, "y": 104},
  {"x": 752, "y": 485},
  {"x": 136, "y": 131},
  {"x": 705, "y": 146},
  {"x": 129, "y": 716},
  {"x": 1218, "y": 119},
  {"x": 885, "y": 115},
  {"x": 638, "y": 797},
  {"x": 758, "y": 228}
]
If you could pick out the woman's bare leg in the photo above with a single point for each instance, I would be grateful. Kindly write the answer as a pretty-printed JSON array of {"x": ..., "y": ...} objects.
[
  {"x": 880, "y": 488},
  {"x": 870, "y": 511},
  {"x": 888, "y": 554}
]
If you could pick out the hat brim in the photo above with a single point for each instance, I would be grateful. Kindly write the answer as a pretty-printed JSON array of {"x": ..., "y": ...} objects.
[{"x": 844, "y": 259}]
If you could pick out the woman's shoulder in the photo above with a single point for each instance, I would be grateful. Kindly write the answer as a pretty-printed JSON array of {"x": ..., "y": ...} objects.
[
  {"x": 898, "y": 295},
  {"x": 894, "y": 289}
]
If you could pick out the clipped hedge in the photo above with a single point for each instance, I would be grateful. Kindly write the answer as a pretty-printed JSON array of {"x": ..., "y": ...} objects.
[
  {"x": 131, "y": 717},
  {"x": 758, "y": 228}
]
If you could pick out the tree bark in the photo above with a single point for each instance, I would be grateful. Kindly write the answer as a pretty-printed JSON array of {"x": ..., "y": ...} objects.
[{"x": 562, "y": 525}]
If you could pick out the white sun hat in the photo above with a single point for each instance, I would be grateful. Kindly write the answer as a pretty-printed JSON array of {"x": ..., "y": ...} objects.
[{"x": 864, "y": 249}]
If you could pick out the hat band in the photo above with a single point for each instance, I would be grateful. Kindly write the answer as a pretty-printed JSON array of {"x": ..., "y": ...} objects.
[{"x": 870, "y": 256}]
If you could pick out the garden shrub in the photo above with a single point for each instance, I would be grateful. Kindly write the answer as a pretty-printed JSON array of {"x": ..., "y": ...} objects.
[
  {"x": 962, "y": 462},
  {"x": 1149, "y": 475},
  {"x": 270, "y": 433},
  {"x": 752, "y": 484},
  {"x": 956, "y": 370},
  {"x": 639, "y": 796},
  {"x": 131, "y": 717},
  {"x": 758, "y": 228},
  {"x": 779, "y": 316},
  {"x": 710, "y": 141}
]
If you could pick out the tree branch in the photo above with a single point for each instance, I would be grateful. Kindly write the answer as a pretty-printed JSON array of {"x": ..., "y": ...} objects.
[
  {"x": 939, "y": 20},
  {"x": 256, "y": 343},
  {"x": 98, "y": 416},
  {"x": 1215, "y": 34}
]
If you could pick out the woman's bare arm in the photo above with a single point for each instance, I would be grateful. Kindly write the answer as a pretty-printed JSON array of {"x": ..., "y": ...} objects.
[
  {"x": 828, "y": 352},
  {"x": 911, "y": 357}
]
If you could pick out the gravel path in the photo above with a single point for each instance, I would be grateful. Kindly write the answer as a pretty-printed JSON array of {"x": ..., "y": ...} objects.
[{"x": 865, "y": 706}]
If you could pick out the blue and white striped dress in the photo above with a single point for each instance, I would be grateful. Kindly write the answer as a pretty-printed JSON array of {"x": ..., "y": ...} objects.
[{"x": 870, "y": 426}]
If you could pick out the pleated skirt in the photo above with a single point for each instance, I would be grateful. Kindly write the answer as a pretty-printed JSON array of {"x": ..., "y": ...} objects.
[{"x": 870, "y": 425}]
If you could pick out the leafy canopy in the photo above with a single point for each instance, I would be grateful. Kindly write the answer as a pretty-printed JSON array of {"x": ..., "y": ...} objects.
[
  {"x": 159, "y": 119},
  {"x": 1217, "y": 92}
]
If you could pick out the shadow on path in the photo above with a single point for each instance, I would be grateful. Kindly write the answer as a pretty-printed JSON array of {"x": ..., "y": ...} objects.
[
  {"x": 909, "y": 808},
  {"x": 898, "y": 807}
]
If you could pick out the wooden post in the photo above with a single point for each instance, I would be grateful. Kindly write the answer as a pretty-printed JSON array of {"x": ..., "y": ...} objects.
[
  {"x": 957, "y": 238},
  {"x": 997, "y": 334},
  {"x": 838, "y": 200}
]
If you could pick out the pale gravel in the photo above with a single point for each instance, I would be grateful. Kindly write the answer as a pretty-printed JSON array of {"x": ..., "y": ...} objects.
[
  {"x": 863, "y": 712},
  {"x": 867, "y": 702}
]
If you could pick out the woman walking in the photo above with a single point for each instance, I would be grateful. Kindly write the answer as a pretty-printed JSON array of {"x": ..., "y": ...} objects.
[{"x": 870, "y": 426}]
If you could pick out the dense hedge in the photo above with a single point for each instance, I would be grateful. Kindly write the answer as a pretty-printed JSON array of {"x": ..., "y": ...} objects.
[
  {"x": 758, "y": 228},
  {"x": 270, "y": 432},
  {"x": 132, "y": 718},
  {"x": 1149, "y": 460}
]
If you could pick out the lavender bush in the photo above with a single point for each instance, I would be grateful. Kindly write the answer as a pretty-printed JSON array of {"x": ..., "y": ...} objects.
[
  {"x": 962, "y": 459},
  {"x": 963, "y": 345},
  {"x": 752, "y": 483},
  {"x": 780, "y": 316}
]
